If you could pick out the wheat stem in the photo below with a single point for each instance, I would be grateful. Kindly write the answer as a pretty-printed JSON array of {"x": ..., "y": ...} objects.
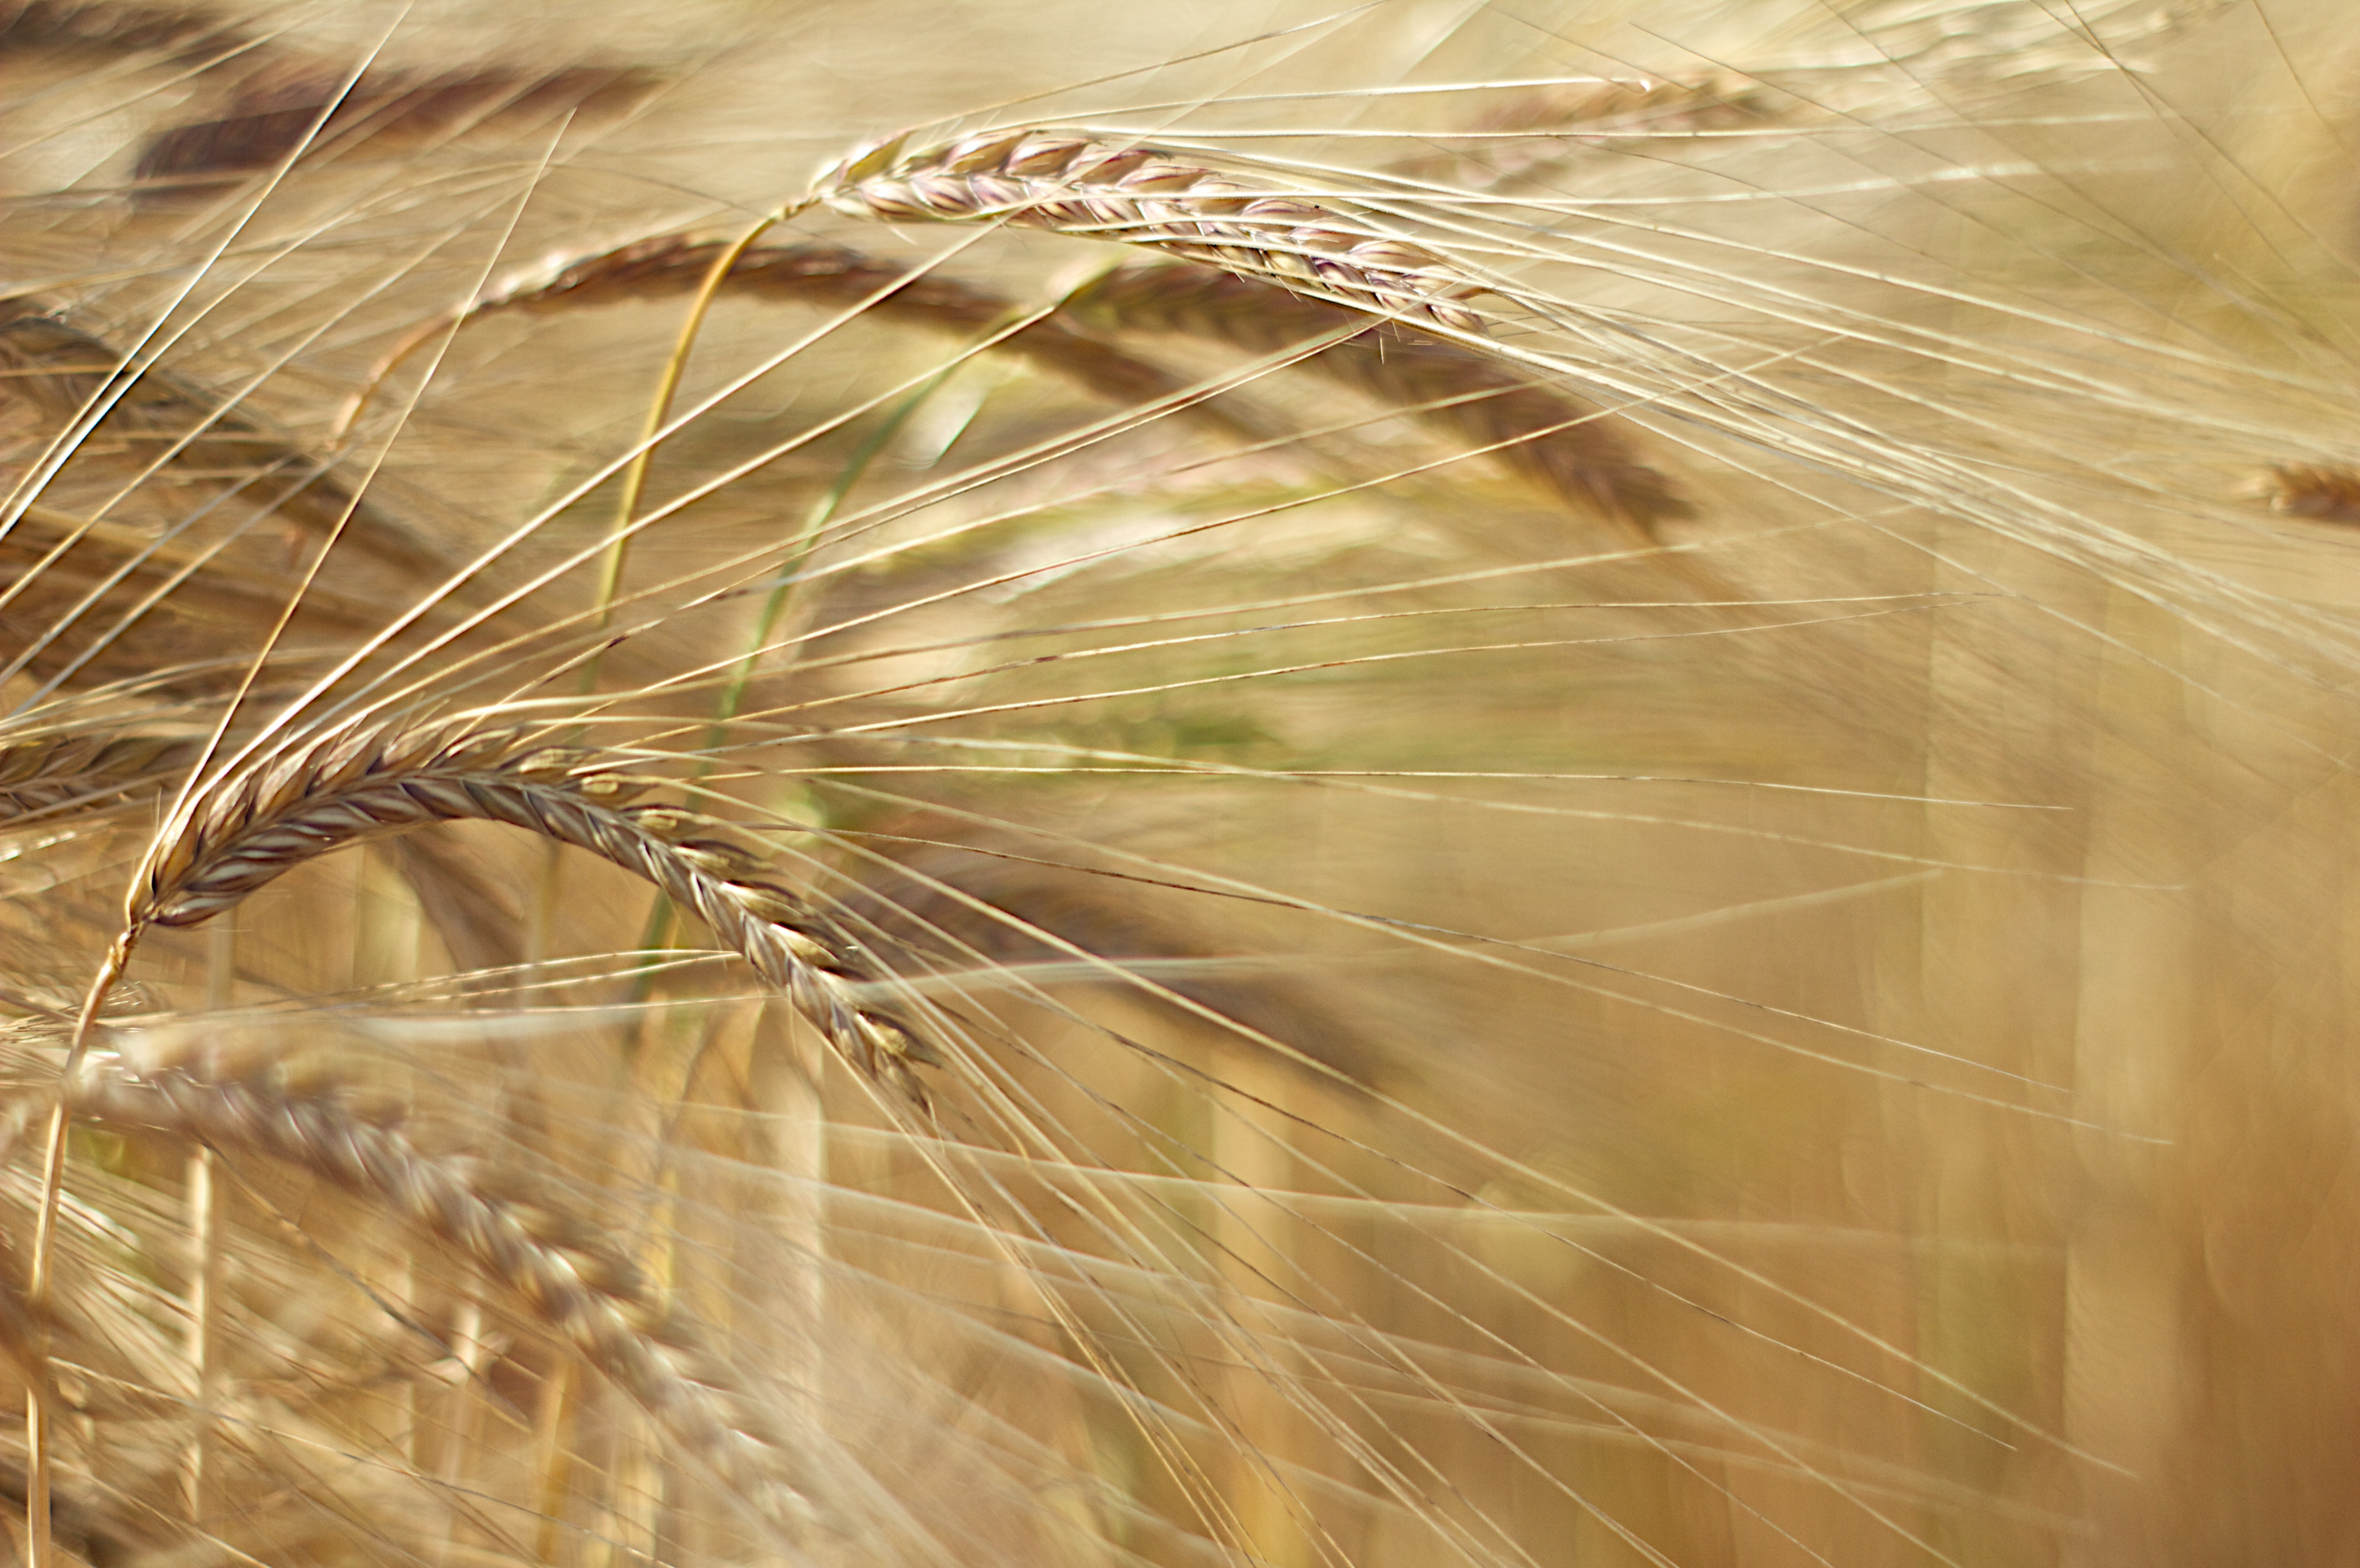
[
  {"x": 634, "y": 477},
  {"x": 37, "y": 1458},
  {"x": 357, "y": 784},
  {"x": 558, "y": 1265},
  {"x": 1561, "y": 445}
]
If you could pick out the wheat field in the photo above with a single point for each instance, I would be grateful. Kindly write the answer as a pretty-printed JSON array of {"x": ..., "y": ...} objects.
[{"x": 1436, "y": 782}]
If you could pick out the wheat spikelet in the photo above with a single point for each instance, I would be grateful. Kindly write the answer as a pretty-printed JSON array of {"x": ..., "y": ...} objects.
[
  {"x": 2327, "y": 492},
  {"x": 561, "y": 1265},
  {"x": 1076, "y": 184},
  {"x": 94, "y": 25},
  {"x": 261, "y": 821}
]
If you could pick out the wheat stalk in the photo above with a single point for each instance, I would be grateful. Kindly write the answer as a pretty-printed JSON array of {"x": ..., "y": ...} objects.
[
  {"x": 824, "y": 275},
  {"x": 1078, "y": 184},
  {"x": 1566, "y": 447},
  {"x": 44, "y": 776},
  {"x": 73, "y": 375},
  {"x": 558, "y": 1265},
  {"x": 258, "y": 824}
]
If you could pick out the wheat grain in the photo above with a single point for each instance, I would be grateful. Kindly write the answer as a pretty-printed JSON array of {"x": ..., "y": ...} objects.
[
  {"x": 1080, "y": 185},
  {"x": 101, "y": 25},
  {"x": 2329, "y": 493},
  {"x": 75, "y": 378},
  {"x": 258, "y": 824},
  {"x": 294, "y": 105}
]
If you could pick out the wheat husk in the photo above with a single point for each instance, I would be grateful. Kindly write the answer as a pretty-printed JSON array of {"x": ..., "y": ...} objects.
[{"x": 47, "y": 776}]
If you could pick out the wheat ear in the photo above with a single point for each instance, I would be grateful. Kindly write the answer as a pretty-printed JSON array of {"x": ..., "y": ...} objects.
[
  {"x": 70, "y": 373},
  {"x": 254, "y": 825},
  {"x": 1557, "y": 442},
  {"x": 558, "y": 1265},
  {"x": 1078, "y": 184},
  {"x": 823, "y": 275},
  {"x": 53, "y": 773},
  {"x": 2329, "y": 492}
]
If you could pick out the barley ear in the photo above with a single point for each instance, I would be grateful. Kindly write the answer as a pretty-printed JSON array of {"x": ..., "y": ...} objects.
[
  {"x": 556, "y": 1264},
  {"x": 252, "y": 826},
  {"x": 1559, "y": 443},
  {"x": 1073, "y": 183}
]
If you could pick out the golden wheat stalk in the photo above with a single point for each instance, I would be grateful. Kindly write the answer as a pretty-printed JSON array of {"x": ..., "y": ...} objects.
[
  {"x": 559, "y": 1265},
  {"x": 1564, "y": 446},
  {"x": 48, "y": 775},
  {"x": 1076, "y": 184},
  {"x": 360, "y": 783}
]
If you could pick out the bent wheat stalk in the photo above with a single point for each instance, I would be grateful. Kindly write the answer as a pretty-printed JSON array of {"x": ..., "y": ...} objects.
[
  {"x": 256, "y": 824},
  {"x": 1553, "y": 439},
  {"x": 50, "y": 773},
  {"x": 555, "y": 1264},
  {"x": 1076, "y": 184},
  {"x": 823, "y": 275}
]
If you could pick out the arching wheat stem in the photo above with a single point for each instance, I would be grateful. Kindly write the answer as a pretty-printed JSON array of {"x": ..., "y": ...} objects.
[
  {"x": 1564, "y": 446},
  {"x": 555, "y": 1264},
  {"x": 365, "y": 783}
]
